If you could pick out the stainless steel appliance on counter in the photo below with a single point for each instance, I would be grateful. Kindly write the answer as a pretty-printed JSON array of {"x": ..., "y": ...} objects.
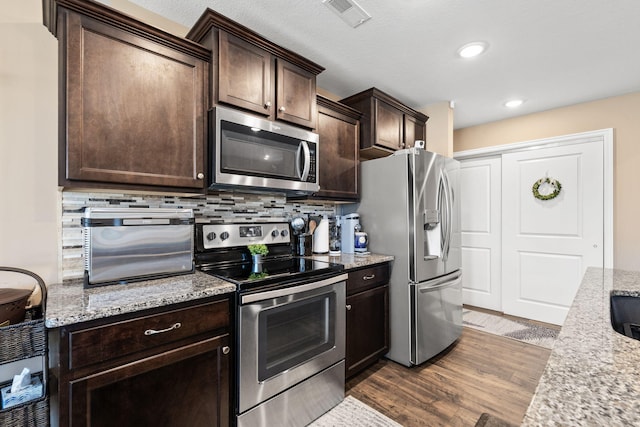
[
  {"x": 249, "y": 153},
  {"x": 411, "y": 204},
  {"x": 128, "y": 244},
  {"x": 290, "y": 323}
]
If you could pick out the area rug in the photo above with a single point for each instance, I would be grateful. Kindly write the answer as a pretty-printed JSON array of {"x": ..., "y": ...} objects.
[
  {"x": 528, "y": 332},
  {"x": 353, "y": 413}
]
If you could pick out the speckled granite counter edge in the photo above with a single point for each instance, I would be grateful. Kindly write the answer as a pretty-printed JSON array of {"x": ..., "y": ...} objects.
[
  {"x": 353, "y": 261},
  {"x": 592, "y": 376},
  {"x": 69, "y": 302}
]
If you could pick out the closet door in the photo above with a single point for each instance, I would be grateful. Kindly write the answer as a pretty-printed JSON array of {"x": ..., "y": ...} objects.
[
  {"x": 480, "y": 181},
  {"x": 548, "y": 244}
]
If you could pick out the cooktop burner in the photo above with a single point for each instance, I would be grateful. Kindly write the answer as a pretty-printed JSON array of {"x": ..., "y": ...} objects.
[
  {"x": 277, "y": 272},
  {"x": 222, "y": 251}
]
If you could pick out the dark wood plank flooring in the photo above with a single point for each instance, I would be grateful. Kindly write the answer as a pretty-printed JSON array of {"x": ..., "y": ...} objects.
[{"x": 480, "y": 373}]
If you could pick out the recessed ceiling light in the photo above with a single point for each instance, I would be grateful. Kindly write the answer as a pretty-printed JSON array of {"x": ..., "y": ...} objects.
[
  {"x": 514, "y": 103},
  {"x": 471, "y": 50}
]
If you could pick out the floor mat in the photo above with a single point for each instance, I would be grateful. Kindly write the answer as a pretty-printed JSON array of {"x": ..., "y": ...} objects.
[
  {"x": 528, "y": 332},
  {"x": 353, "y": 413}
]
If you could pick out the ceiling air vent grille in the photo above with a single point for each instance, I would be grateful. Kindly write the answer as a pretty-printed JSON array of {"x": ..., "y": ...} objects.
[{"x": 349, "y": 11}]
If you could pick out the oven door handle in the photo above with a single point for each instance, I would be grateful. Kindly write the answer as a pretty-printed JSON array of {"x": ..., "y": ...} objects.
[{"x": 276, "y": 293}]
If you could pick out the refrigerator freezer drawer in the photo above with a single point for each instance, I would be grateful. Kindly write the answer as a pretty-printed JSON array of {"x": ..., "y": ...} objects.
[{"x": 437, "y": 309}]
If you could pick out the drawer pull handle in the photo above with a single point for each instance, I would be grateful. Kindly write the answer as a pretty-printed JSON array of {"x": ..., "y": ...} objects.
[
  {"x": 348, "y": 307},
  {"x": 225, "y": 350},
  {"x": 170, "y": 328},
  {"x": 373, "y": 276}
]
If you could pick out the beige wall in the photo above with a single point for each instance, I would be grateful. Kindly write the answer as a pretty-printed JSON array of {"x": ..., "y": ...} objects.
[
  {"x": 148, "y": 17},
  {"x": 620, "y": 113},
  {"x": 30, "y": 213},
  {"x": 28, "y": 142},
  {"x": 440, "y": 128}
]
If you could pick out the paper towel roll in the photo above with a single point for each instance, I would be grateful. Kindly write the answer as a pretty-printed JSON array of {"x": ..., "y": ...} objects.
[{"x": 321, "y": 237}]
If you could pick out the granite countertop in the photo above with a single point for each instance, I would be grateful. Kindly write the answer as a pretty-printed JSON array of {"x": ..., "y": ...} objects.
[
  {"x": 69, "y": 302},
  {"x": 351, "y": 261},
  {"x": 592, "y": 377}
]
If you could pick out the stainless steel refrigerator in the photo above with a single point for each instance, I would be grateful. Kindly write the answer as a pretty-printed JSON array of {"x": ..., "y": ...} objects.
[{"x": 409, "y": 207}]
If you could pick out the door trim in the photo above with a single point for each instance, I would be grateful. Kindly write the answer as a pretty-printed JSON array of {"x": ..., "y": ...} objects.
[{"x": 604, "y": 135}]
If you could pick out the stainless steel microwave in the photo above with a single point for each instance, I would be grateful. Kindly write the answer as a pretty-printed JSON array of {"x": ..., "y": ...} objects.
[{"x": 249, "y": 153}]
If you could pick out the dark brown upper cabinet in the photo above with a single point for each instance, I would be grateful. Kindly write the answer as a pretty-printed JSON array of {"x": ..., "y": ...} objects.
[
  {"x": 132, "y": 101},
  {"x": 414, "y": 129},
  {"x": 250, "y": 72},
  {"x": 339, "y": 131},
  {"x": 387, "y": 124},
  {"x": 244, "y": 72}
]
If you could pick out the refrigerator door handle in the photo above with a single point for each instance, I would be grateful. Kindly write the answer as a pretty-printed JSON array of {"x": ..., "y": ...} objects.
[
  {"x": 444, "y": 219},
  {"x": 440, "y": 282},
  {"x": 448, "y": 217}
]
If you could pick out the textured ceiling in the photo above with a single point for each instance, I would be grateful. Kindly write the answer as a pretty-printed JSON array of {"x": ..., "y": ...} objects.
[{"x": 552, "y": 53}]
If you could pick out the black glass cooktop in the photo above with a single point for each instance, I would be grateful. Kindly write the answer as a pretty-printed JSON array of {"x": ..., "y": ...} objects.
[{"x": 272, "y": 272}]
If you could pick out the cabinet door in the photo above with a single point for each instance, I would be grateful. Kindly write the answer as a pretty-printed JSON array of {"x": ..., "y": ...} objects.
[
  {"x": 389, "y": 125},
  {"x": 134, "y": 108},
  {"x": 188, "y": 386},
  {"x": 339, "y": 156},
  {"x": 367, "y": 328},
  {"x": 245, "y": 75},
  {"x": 414, "y": 130},
  {"x": 296, "y": 95}
]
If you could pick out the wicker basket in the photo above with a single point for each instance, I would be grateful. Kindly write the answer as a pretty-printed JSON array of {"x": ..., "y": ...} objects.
[
  {"x": 12, "y": 305},
  {"x": 30, "y": 414},
  {"x": 21, "y": 341}
]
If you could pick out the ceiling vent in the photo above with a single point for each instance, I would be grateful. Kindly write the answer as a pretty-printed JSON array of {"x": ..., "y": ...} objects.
[{"x": 349, "y": 11}]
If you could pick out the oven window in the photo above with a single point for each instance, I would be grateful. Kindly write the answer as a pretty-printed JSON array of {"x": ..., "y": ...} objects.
[{"x": 294, "y": 333}]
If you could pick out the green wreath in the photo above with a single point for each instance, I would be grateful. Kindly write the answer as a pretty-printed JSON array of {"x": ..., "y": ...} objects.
[{"x": 553, "y": 182}]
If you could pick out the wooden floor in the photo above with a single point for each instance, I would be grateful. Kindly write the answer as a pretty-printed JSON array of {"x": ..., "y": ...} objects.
[{"x": 480, "y": 373}]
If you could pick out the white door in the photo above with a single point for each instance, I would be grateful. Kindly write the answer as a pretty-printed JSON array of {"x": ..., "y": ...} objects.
[
  {"x": 548, "y": 244},
  {"x": 480, "y": 192}
]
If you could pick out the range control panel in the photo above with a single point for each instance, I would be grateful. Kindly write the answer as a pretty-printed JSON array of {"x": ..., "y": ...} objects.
[{"x": 216, "y": 236}]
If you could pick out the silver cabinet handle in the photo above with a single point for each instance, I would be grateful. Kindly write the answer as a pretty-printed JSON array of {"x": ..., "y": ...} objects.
[
  {"x": 170, "y": 328},
  {"x": 225, "y": 350},
  {"x": 281, "y": 109},
  {"x": 267, "y": 104},
  {"x": 372, "y": 276},
  {"x": 200, "y": 175},
  {"x": 348, "y": 306}
]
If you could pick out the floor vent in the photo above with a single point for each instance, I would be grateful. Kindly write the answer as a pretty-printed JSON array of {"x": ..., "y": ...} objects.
[{"x": 349, "y": 11}]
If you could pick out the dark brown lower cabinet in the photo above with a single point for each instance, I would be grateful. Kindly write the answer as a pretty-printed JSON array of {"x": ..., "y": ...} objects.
[
  {"x": 367, "y": 318},
  {"x": 176, "y": 380},
  {"x": 177, "y": 388}
]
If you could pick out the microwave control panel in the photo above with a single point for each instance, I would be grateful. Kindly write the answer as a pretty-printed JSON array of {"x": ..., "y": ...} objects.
[{"x": 312, "y": 164}]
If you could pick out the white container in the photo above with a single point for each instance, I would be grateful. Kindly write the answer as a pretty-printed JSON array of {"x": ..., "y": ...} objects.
[
  {"x": 321, "y": 237},
  {"x": 347, "y": 232}
]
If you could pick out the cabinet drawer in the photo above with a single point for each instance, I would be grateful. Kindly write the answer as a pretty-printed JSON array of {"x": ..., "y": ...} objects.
[
  {"x": 102, "y": 343},
  {"x": 367, "y": 278}
]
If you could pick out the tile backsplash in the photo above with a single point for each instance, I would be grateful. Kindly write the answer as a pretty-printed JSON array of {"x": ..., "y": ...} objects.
[{"x": 224, "y": 206}]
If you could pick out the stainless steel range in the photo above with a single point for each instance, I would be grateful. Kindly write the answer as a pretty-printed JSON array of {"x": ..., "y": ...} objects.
[{"x": 290, "y": 323}]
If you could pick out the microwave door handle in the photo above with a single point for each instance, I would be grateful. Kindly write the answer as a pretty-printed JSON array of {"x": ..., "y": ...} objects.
[{"x": 304, "y": 147}]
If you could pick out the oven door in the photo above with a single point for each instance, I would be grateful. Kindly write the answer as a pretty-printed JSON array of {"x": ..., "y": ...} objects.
[{"x": 288, "y": 335}]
